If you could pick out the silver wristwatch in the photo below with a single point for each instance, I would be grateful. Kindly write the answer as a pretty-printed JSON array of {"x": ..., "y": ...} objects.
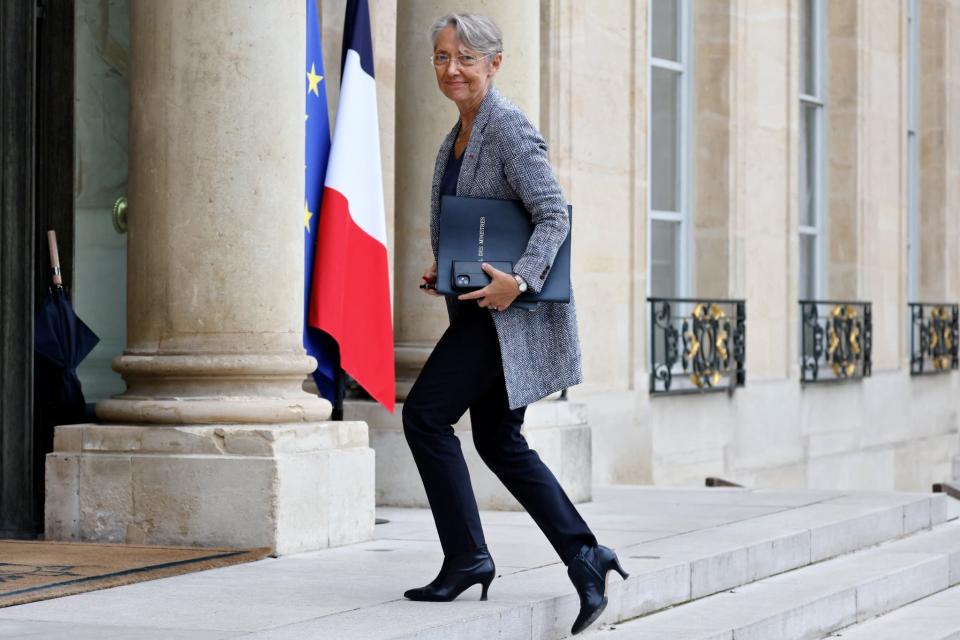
[{"x": 521, "y": 283}]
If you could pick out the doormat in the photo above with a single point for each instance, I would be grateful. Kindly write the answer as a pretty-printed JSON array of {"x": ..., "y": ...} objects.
[{"x": 32, "y": 570}]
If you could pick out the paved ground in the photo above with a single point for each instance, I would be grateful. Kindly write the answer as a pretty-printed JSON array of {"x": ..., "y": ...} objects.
[{"x": 356, "y": 591}]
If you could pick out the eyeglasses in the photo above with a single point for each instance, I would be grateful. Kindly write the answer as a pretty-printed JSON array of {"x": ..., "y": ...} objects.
[{"x": 465, "y": 60}]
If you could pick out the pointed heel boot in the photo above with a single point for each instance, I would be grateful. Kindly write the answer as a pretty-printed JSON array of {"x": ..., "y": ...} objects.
[
  {"x": 457, "y": 574},
  {"x": 588, "y": 573}
]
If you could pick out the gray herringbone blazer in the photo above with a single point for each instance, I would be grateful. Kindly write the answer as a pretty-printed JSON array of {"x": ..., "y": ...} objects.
[{"x": 507, "y": 158}]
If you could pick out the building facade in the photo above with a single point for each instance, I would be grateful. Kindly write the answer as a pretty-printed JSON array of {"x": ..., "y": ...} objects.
[
  {"x": 762, "y": 189},
  {"x": 766, "y": 152}
]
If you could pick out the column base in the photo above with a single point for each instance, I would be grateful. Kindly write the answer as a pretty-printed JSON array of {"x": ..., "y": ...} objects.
[
  {"x": 195, "y": 389},
  {"x": 558, "y": 431},
  {"x": 290, "y": 487}
]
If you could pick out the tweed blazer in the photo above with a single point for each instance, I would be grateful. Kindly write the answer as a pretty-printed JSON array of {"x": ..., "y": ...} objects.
[{"x": 506, "y": 158}]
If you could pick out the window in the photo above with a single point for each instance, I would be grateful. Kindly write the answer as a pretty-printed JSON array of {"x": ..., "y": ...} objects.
[
  {"x": 913, "y": 197},
  {"x": 668, "y": 165},
  {"x": 811, "y": 149}
]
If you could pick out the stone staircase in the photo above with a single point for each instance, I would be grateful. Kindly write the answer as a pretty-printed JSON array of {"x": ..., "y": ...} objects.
[
  {"x": 718, "y": 563},
  {"x": 935, "y": 617},
  {"x": 800, "y": 572},
  {"x": 857, "y": 571}
]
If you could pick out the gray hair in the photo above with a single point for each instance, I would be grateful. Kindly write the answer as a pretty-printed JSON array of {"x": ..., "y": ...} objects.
[{"x": 476, "y": 32}]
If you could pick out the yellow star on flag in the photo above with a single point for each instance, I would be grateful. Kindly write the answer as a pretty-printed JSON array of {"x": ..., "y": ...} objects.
[
  {"x": 314, "y": 80},
  {"x": 307, "y": 214}
]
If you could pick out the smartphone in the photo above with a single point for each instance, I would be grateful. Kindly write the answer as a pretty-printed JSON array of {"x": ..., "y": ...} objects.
[{"x": 468, "y": 275}]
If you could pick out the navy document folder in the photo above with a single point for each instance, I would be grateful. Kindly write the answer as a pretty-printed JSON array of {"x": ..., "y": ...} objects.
[{"x": 476, "y": 230}]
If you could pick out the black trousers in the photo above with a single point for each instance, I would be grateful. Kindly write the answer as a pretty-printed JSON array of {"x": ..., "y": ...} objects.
[{"x": 464, "y": 372}]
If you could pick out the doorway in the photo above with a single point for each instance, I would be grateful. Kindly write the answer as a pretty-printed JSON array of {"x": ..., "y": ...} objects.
[
  {"x": 63, "y": 165},
  {"x": 102, "y": 57}
]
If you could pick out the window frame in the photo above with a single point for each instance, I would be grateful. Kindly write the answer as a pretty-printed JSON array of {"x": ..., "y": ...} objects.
[
  {"x": 681, "y": 217},
  {"x": 912, "y": 160},
  {"x": 816, "y": 230}
]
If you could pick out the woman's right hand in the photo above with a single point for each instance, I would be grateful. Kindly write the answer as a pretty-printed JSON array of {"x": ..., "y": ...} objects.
[{"x": 430, "y": 277}]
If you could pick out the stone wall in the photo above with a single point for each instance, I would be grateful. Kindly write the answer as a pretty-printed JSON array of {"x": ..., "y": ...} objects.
[
  {"x": 591, "y": 100},
  {"x": 889, "y": 431}
]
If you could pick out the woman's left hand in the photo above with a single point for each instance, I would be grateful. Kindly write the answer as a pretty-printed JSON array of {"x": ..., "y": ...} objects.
[{"x": 499, "y": 294}]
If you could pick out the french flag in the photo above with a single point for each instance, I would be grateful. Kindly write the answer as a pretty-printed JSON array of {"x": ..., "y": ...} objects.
[{"x": 350, "y": 297}]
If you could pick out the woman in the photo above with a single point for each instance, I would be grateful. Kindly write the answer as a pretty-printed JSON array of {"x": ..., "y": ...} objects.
[{"x": 494, "y": 359}]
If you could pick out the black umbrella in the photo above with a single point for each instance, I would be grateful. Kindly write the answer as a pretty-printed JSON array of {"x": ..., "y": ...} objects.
[{"x": 61, "y": 342}]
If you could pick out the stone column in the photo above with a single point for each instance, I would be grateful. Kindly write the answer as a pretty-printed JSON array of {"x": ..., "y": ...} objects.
[
  {"x": 764, "y": 105},
  {"x": 866, "y": 154},
  {"x": 935, "y": 123},
  {"x": 424, "y": 116},
  {"x": 715, "y": 224},
  {"x": 215, "y": 256},
  {"x": 846, "y": 122},
  {"x": 236, "y": 452}
]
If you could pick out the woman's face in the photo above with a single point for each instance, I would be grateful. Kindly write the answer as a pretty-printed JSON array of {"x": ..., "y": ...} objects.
[{"x": 463, "y": 85}]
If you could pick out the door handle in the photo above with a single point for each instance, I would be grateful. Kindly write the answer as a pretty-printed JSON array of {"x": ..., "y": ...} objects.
[{"x": 120, "y": 215}]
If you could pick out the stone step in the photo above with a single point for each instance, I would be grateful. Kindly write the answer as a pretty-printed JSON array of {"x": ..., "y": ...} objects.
[
  {"x": 935, "y": 617},
  {"x": 814, "y": 601},
  {"x": 538, "y": 603}
]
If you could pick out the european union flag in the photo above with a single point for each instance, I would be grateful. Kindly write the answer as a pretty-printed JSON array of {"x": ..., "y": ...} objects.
[{"x": 316, "y": 342}]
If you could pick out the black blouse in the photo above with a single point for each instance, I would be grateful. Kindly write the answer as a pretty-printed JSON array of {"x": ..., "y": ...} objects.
[{"x": 448, "y": 183}]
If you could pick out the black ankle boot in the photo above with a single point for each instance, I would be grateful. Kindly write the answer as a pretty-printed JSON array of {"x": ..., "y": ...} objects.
[
  {"x": 588, "y": 572},
  {"x": 458, "y": 574}
]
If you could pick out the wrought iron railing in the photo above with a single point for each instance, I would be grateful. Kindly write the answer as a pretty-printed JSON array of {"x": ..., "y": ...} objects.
[
  {"x": 697, "y": 345},
  {"x": 836, "y": 340},
  {"x": 934, "y": 337}
]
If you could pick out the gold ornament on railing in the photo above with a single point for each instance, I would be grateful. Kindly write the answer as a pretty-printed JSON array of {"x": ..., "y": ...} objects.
[
  {"x": 710, "y": 376},
  {"x": 845, "y": 365},
  {"x": 941, "y": 362}
]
